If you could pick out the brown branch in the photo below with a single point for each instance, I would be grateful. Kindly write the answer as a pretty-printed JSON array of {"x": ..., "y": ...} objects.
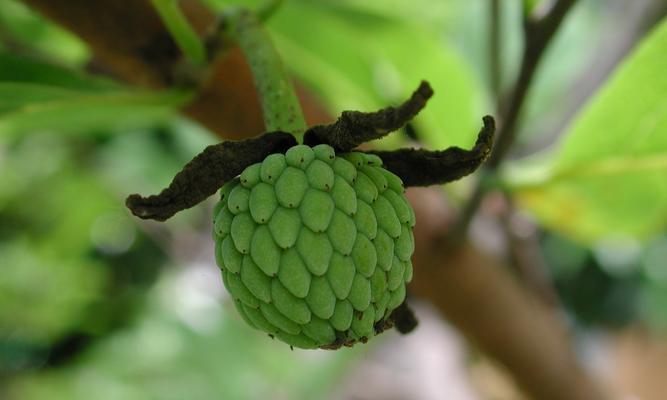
[
  {"x": 526, "y": 256},
  {"x": 538, "y": 35},
  {"x": 478, "y": 296}
]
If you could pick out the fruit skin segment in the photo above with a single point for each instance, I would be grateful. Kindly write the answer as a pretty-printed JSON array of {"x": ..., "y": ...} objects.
[{"x": 315, "y": 247}]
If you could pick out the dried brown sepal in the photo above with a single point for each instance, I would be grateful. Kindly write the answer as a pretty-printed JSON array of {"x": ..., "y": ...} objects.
[
  {"x": 419, "y": 167},
  {"x": 354, "y": 127},
  {"x": 206, "y": 173},
  {"x": 404, "y": 318}
]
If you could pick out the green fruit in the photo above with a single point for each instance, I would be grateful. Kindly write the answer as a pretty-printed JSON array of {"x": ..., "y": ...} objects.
[{"x": 315, "y": 248}]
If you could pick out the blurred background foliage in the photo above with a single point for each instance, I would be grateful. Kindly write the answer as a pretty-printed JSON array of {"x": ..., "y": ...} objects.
[{"x": 93, "y": 301}]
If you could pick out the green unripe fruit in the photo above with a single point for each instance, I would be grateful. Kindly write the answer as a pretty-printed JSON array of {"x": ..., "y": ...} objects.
[{"x": 315, "y": 248}]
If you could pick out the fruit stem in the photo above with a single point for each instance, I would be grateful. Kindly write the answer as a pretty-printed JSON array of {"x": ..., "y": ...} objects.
[{"x": 280, "y": 105}]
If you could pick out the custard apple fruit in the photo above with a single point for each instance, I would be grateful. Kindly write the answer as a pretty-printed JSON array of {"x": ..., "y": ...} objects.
[{"x": 315, "y": 248}]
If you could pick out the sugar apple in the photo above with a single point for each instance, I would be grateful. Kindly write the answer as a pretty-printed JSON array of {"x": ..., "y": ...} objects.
[{"x": 315, "y": 248}]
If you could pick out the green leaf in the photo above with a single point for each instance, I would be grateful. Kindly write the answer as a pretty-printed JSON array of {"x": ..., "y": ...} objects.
[
  {"x": 44, "y": 293},
  {"x": 530, "y": 5},
  {"x": 162, "y": 344},
  {"x": 17, "y": 68},
  {"x": 37, "y": 95},
  {"x": 54, "y": 216},
  {"x": 608, "y": 174},
  {"x": 40, "y": 108},
  {"x": 15, "y": 96},
  {"x": 26, "y": 29},
  {"x": 354, "y": 59}
]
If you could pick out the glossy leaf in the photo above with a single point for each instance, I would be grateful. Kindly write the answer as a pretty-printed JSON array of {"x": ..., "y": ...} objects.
[
  {"x": 362, "y": 60},
  {"x": 607, "y": 175},
  {"x": 51, "y": 108},
  {"x": 24, "y": 69}
]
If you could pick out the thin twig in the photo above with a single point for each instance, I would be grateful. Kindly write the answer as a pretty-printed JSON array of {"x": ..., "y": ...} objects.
[
  {"x": 526, "y": 256},
  {"x": 495, "y": 67},
  {"x": 538, "y": 34},
  {"x": 181, "y": 31}
]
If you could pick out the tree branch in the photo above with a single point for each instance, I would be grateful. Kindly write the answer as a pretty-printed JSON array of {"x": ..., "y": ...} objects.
[
  {"x": 538, "y": 34},
  {"x": 495, "y": 69},
  {"x": 477, "y": 294}
]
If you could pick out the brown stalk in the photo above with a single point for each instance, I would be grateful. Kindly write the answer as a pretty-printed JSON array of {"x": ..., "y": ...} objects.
[
  {"x": 538, "y": 33},
  {"x": 478, "y": 294}
]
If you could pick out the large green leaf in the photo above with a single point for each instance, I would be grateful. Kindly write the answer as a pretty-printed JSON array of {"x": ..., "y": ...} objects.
[
  {"x": 44, "y": 293},
  {"x": 15, "y": 96},
  {"x": 182, "y": 348},
  {"x": 38, "y": 96},
  {"x": 29, "y": 31},
  {"x": 26, "y": 108},
  {"x": 49, "y": 211},
  {"x": 608, "y": 175},
  {"x": 19, "y": 68},
  {"x": 355, "y": 59}
]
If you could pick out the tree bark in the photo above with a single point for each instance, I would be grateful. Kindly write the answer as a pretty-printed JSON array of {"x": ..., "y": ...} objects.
[{"x": 477, "y": 294}]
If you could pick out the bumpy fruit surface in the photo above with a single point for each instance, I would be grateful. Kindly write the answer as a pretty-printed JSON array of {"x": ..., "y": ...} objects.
[{"x": 315, "y": 248}]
